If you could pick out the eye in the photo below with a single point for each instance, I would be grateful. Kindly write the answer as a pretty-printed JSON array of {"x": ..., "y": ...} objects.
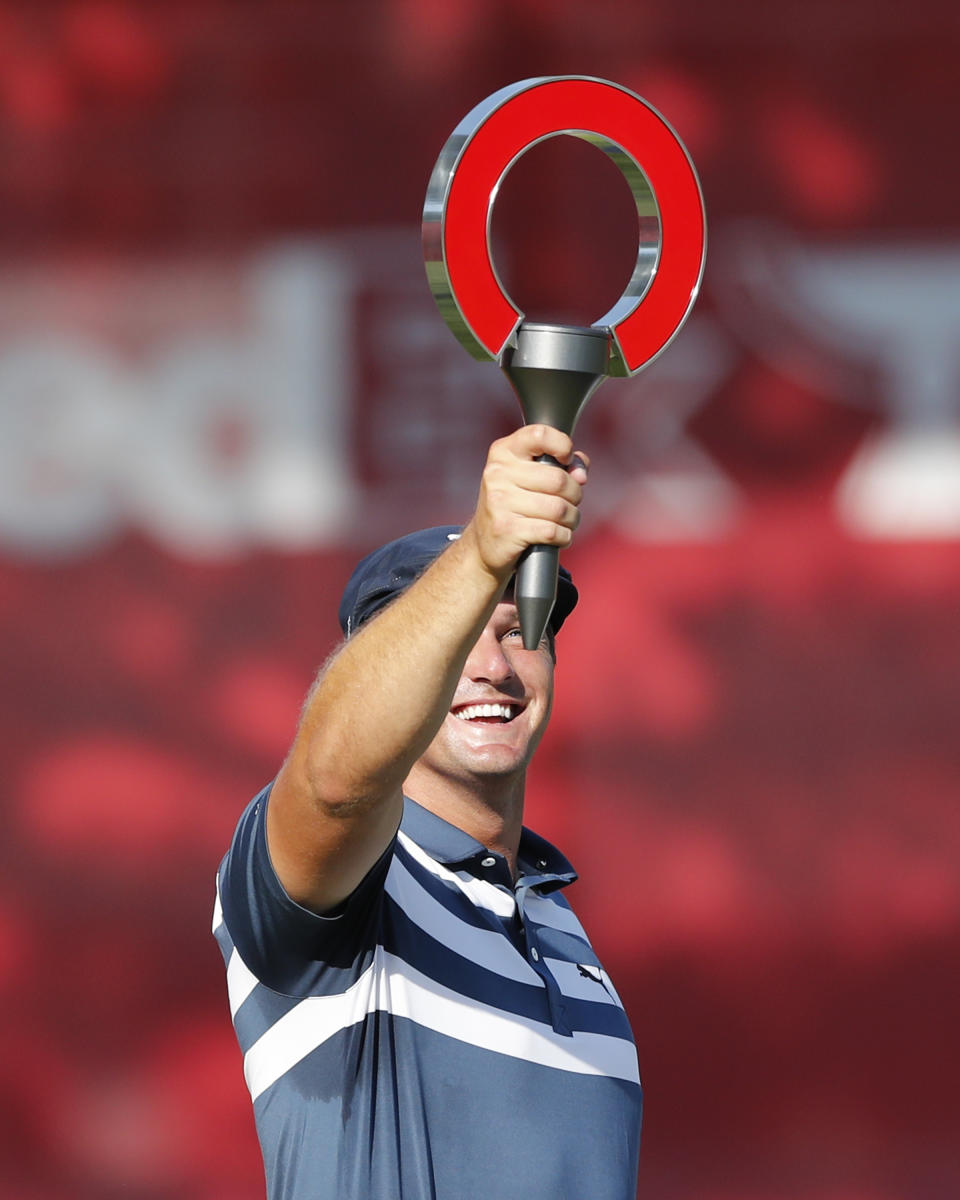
[{"x": 515, "y": 632}]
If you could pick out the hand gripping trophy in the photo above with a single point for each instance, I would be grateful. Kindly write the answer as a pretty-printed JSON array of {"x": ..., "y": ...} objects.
[{"x": 554, "y": 369}]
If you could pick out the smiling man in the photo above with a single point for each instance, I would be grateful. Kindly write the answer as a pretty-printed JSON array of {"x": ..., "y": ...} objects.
[{"x": 421, "y": 1014}]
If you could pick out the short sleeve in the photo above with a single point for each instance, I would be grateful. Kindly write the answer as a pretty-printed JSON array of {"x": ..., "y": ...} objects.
[{"x": 286, "y": 946}]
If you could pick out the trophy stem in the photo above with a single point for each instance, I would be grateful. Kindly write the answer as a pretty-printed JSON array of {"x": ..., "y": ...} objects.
[{"x": 554, "y": 369}]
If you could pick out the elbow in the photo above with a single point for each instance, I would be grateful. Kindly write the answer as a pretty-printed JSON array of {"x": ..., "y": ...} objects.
[
  {"x": 337, "y": 770},
  {"x": 337, "y": 793}
]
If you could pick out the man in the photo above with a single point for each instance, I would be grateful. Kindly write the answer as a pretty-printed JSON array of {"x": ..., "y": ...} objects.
[{"x": 421, "y": 1013}]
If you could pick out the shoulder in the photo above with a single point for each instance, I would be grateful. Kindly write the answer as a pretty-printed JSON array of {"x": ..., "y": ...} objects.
[{"x": 283, "y": 944}]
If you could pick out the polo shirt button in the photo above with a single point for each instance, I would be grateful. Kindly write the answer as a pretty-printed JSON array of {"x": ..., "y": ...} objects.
[
  {"x": 488, "y": 862},
  {"x": 535, "y": 954}
]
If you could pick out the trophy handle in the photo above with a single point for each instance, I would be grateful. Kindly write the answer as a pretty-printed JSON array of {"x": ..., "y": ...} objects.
[
  {"x": 553, "y": 369},
  {"x": 535, "y": 588}
]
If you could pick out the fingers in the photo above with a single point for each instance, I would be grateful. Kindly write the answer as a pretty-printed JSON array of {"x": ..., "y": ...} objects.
[
  {"x": 524, "y": 502},
  {"x": 543, "y": 506},
  {"x": 525, "y": 447},
  {"x": 530, "y": 441},
  {"x": 546, "y": 478},
  {"x": 510, "y": 467},
  {"x": 580, "y": 467},
  {"x": 536, "y": 440}
]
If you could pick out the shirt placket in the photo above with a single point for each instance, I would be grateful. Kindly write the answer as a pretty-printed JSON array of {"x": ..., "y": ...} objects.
[{"x": 555, "y": 1000}]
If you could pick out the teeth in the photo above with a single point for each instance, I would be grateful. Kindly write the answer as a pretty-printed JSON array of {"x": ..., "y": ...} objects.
[{"x": 473, "y": 711}]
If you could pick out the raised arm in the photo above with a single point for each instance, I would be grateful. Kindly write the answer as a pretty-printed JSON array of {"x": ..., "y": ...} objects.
[{"x": 381, "y": 699}]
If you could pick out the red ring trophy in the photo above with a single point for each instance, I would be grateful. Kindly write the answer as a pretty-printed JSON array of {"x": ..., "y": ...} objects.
[{"x": 554, "y": 369}]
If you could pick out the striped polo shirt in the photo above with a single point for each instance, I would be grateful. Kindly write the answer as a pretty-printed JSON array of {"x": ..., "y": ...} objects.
[{"x": 448, "y": 1033}]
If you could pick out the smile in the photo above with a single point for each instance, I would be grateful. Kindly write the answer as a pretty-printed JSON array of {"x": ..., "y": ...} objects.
[{"x": 498, "y": 713}]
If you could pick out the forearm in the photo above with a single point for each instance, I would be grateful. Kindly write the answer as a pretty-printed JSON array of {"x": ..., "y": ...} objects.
[{"x": 383, "y": 697}]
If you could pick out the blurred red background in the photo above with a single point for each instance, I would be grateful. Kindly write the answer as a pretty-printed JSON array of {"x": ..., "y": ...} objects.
[{"x": 222, "y": 377}]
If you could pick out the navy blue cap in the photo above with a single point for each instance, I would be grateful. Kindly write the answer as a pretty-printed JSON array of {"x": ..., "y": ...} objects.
[{"x": 387, "y": 572}]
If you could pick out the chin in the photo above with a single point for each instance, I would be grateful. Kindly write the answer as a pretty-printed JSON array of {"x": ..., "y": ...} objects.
[
  {"x": 459, "y": 753},
  {"x": 488, "y": 762},
  {"x": 499, "y": 765},
  {"x": 499, "y": 760}
]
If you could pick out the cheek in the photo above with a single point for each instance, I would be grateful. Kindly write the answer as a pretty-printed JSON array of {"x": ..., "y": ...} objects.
[
  {"x": 541, "y": 686},
  {"x": 534, "y": 667}
]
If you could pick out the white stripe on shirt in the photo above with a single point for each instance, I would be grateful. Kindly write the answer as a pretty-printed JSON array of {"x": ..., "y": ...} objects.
[
  {"x": 485, "y": 947},
  {"x": 393, "y": 986}
]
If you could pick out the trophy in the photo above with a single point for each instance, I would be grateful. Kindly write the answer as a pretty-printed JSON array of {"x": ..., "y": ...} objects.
[{"x": 554, "y": 369}]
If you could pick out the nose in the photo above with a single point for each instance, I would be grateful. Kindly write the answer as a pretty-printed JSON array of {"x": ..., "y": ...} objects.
[{"x": 486, "y": 662}]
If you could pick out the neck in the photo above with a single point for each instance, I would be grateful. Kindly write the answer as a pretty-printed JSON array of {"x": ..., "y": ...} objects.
[{"x": 492, "y": 814}]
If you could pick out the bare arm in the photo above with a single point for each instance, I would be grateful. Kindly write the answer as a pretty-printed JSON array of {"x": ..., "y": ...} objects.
[{"x": 378, "y": 704}]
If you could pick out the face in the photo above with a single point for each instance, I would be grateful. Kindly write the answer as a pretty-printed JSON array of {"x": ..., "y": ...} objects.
[{"x": 500, "y": 708}]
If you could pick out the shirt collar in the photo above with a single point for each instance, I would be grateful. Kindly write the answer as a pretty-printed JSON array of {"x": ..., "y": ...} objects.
[{"x": 542, "y": 863}]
